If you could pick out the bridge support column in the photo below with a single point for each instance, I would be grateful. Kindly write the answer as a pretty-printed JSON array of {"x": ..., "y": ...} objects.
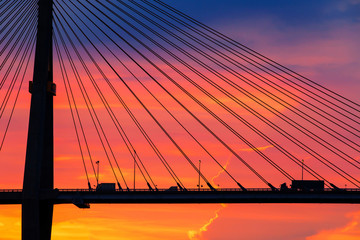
[{"x": 37, "y": 211}]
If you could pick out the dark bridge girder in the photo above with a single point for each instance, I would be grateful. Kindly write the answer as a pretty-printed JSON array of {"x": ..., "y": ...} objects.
[
  {"x": 220, "y": 196},
  {"x": 38, "y": 176},
  {"x": 76, "y": 196}
]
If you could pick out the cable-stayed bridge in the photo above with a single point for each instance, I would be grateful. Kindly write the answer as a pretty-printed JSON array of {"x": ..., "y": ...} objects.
[{"x": 123, "y": 64}]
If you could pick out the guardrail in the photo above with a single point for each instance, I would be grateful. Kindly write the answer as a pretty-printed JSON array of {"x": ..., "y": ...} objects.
[
  {"x": 189, "y": 190},
  {"x": 209, "y": 190},
  {"x": 82, "y": 197},
  {"x": 10, "y": 190}
]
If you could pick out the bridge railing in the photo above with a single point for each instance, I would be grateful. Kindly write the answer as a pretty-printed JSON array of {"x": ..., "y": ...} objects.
[
  {"x": 189, "y": 189},
  {"x": 209, "y": 190},
  {"x": 10, "y": 190}
]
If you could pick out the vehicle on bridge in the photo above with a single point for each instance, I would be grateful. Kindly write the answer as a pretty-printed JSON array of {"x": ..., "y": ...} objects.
[
  {"x": 172, "y": 189},
  {"x": 106, "y": 187},
  {"x": 307, "y": 185}
]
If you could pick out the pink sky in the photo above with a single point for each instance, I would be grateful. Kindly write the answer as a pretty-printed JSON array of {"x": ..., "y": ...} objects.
[{"x": 329, "y": 56}]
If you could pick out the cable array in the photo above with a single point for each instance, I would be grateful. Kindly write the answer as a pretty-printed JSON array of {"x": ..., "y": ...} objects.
[
  {"x": 17, "y": 42},
  {"x": 148, "y": 85}
]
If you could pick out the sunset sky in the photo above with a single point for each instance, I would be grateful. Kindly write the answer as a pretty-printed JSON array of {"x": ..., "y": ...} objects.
[{"x": 318, "y": 39}]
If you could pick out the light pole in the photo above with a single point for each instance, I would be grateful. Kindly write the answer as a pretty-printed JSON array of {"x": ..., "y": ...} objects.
[
  {"x": 97, "y": 174},
  {"x": 134, "y": 168},
  {"x": 199, "y": 173},
  {"x": 302, "y": 170}
]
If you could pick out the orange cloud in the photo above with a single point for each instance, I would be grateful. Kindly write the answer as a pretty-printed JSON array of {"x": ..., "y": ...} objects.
[
  {"x": 258, "y": 148},
  {"x": 10, "y": 222},
  {"x": 198, "y": 234},
  {"x": 349, "y": 232}
]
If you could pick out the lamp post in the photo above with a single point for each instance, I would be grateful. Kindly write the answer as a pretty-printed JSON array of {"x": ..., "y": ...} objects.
[
  {"x": 97, "y": 174},
  {"x": 302, "y": 170},
  {"x": 199, "y": 174},
  {"x": 134, "y": 168}
]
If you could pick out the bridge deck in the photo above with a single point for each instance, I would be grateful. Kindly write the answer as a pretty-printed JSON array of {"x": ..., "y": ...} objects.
[
  {"x": 258, "y": 195},
  {"x": 10, "y": 196}
]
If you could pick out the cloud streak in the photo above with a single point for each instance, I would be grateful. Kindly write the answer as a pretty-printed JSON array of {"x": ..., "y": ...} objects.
[
  {"x": 198, "y": 234},
  {"x": 351, "y": 231}
]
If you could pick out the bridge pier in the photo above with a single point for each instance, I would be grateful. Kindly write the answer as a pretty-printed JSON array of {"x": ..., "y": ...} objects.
[
  {"x": 36, "y": 219},
  {"x": 38, "y": 176}
]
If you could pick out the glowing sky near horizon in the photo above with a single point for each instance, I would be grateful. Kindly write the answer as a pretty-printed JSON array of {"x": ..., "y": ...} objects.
[{"x": 319, "y": 39}]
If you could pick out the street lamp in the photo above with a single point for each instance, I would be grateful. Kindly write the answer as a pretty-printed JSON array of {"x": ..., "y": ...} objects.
[
  {"x": 199, "y": 174},
  {"x": 135, "y": 167},
  {"x": 97, "y": 174},
  {"x": 302, "y": 170}
]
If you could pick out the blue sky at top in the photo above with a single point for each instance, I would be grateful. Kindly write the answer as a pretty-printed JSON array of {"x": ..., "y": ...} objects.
[{"x": 289, "y": 13}]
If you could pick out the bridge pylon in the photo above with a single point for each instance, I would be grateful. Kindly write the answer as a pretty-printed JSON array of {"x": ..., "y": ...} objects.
[{"x": 37, "y": 209}]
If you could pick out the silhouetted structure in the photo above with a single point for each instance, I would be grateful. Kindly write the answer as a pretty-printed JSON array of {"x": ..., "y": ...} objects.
[
  {"x": 37, "y": 210},
  {"x": 38, "y": 194}
]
